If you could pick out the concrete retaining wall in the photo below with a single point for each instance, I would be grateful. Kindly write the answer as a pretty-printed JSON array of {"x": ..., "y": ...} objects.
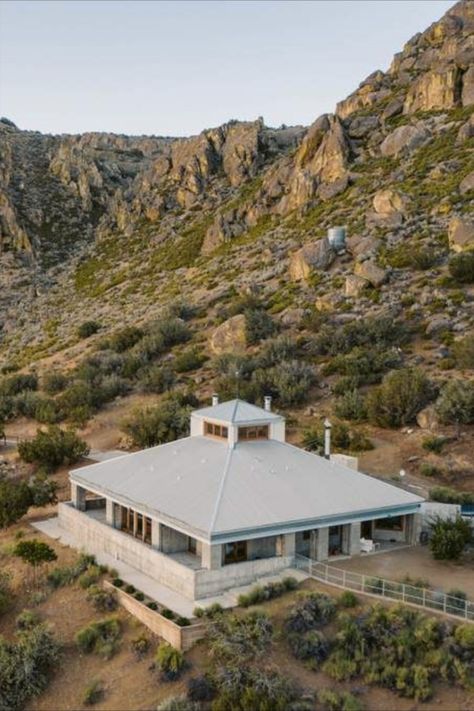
[
  {"x": 96, "y": 537},
  {"x": 182, "y": 638},
  {"x": 211, "y": 582}
]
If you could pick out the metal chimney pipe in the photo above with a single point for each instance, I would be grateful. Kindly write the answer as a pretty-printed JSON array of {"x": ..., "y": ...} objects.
[
  {"x": 267, "y": 403},
  {"x": 327, "y": 439},
  {"x": 215, "y": 400}
]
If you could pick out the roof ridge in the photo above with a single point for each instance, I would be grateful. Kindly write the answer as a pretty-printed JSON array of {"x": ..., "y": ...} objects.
[
  {"x": 221, "y": 489},
  {"x": 235, "y": 409}
]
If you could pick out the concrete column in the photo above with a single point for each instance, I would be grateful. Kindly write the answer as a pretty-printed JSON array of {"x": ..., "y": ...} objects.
[
  {"x": 313, "y": 545},
  {"x": 233, "y": 435},
  {"x": 78, "y": 497},
  {"x": 156, "y": 534},
  {"x": 353, "y": 542},
  {"x": 211, "y": 556},
  {"x": 413, "y": 524},
  {"x": 109, "y": 512},
  {"x": 135, "y": 516},
  {"x": 322, "y": 544},
  {"x": 286, "y": 544}
]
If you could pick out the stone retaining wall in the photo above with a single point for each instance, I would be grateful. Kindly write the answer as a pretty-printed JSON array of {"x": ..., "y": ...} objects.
[{"x": 182, "y": 638}]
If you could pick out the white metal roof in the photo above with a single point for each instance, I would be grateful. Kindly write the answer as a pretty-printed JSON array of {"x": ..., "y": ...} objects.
[
  {"x": 237, "y": 412},
  {"x": 212, "y": 490}
]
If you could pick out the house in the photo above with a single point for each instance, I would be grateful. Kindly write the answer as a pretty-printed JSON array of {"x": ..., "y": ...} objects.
[{"x": 230, "y": 503}]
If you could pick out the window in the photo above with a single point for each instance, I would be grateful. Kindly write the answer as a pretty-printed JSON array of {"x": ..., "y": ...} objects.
[
  {"x": 393, "y": 523},
  {"x": 216, "y": 430},
  {"x": 147, "y": 537},
  {"x": 235, "y": 552},
  {"x": 139, "y": 529},
  {"x": 252, "y": 433},
  {"x": 306, "y": 535}
]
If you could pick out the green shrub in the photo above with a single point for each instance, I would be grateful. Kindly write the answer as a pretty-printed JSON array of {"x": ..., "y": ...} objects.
[
  {"x": 446, "y": 495},
  {"x": 170, "y": 662},
  {"x": 122, "y": 340},
  {"x": 449, "y": 537},
  {"x": 183, "y": 621},
  {"x": 258, "y": 325},
  {"x": 93, "y": 693},
  {"x": 233, "y": 637},
  {"x": 100, "y": 637},
  {"x": 26, "y": 665},
  {"x": 140, "y": 646},
  {"x": 348, "y": 599},
  {"x": 464, "y": 352},
  {"x": 6, "y": 594},
  {"x": 103, "y": 600},
  {"x": 117, "y": 582},
  {"x": 201, "y": 688},
  {"x": 190, "y": 359},
  {"x": 351, "y": 406},
  {"x": 130, "y": 589},
  {"x": 157, "y": 379},
  {"x": 310, "y": 646},
  {"x": 139, "y": 596},
  {"x": 89, "y": 577},
  {"x": 461, "y": 267},
  {"x": 456, "y": 402},
  {"x": 52, "y": 448},
  {"x": 338, "y": 701},
  {"x": 18, "y": 383},
  {"x": 434, "y": 444},
  {"x": 88, "y": 328},
  {"x": 152, "y": 605},
  {"x": 313, "y": 610},
  {"x": 27, "y": 619},
  {"x": 397, "y": 401},
  {"x": 15, "y": 500},
  {"x": 169, "y": 614},
  {"x": 464, "y": 636},
  {"x": 428, "y": 469}
]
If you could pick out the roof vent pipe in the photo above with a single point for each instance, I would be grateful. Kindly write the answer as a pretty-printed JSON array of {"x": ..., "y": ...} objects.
[
  {"x": 327, "y": 439},
  {"x": 267, "y": 403},
  {"x": 215, "y": 400}
]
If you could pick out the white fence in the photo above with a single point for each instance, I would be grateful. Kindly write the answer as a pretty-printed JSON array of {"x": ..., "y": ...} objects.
[{"x": 401, "y": 592}]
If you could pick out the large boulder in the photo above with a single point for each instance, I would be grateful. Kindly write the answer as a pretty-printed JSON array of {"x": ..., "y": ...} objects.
[
  {"x": 230, "y": 336},
  {"x": 355, "y": 285},
  {"x": 404, "y": 139},
  {"x": 436, "y": 89},
  {"x": 318, "y": 255},
  {"x": 467, "y": 184},
  {"x": 461, "y": 234},
  {"x": 468, "y": 87},
  {"x": 371, "y": 271},
  {"x": 427, "y": 419},
  {"x": 362, "y": 247},
  {"x": 388, "y": 202}
]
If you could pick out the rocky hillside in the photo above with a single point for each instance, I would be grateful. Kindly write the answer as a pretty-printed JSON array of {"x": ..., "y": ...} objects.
[{"x": 112, "y": 228}]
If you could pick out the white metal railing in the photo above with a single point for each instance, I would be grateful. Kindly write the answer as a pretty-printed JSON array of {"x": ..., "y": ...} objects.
[{"x": 401, "y": 592}]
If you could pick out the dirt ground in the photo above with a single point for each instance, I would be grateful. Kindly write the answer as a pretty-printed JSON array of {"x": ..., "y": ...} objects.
[
  {"x": 131, "y": 685},
  {"x": 416, "y": 562}
]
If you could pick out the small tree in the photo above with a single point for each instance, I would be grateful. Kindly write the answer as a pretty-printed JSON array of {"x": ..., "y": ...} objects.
[
  {"x": 15, "y": 500},
  {"x": 449, "y": 537},
  {"x": 35, "y": 553},
  {"x": 53, "y": 447},
  {"x": 397, "y": 401}
]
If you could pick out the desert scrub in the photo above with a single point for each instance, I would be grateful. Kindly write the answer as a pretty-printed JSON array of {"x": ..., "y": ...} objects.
[
  {"x": 262, "y": 593},
  {"x": 93, "y": 693},
  {"x": 103, "y": 600},
  {"x": 100, "y": 637},
  {"x": 170, "y": 662},
  {"x": 312, "y": 610}
]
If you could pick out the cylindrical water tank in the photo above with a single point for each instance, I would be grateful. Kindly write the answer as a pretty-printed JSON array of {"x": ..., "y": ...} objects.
[{"x": 337, "y": 237}]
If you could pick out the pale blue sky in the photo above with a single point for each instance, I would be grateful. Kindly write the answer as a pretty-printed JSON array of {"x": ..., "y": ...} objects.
[{"x": 174, "y": 68}]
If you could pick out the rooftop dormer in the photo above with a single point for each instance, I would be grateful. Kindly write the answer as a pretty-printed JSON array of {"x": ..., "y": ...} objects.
[{"x": 238, "y": 421}]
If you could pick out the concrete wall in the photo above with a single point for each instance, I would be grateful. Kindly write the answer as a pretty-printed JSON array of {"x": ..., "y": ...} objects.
[
  {"x": 277, "y": 430},
  {"x": 181, "y": 638},
  {"x": 96, "y": 537},
  {"x": 212, "y": 582}
]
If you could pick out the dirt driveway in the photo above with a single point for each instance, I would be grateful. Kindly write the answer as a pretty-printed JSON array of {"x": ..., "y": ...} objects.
[{"x": 417, "y": 562}]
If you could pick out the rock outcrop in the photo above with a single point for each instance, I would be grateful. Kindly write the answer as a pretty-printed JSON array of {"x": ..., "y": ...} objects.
[
  {"x": 461, "y": 234},
  {"x": 318, "y": 255}
]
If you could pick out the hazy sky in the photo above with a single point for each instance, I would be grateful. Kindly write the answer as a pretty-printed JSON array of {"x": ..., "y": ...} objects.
[{"x": 174, "y": 68}]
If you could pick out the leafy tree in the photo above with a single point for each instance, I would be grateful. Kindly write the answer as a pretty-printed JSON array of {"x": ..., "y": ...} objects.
[
  {"x": 456, "y": 403},
  {"x": 157, "y": 379},
  {"x": 162, "y": 423},
  {"x": 351, "y": 406},
  {"x": 397, "y": 401},
  {"x": 449, "y": 537},
  {"x": 15, "y": 500},
  {"x": 53, "y": 447},
  {"x": 14, "y": 384},
  {"x": 43, "y": 490},
  {"x": 35, "y": 553},
  {"x": 258, "y": 325}
]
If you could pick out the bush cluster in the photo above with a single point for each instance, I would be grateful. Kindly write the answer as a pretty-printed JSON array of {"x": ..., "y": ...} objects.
[
  {"x": 100, "y": 637},
  {"x": 262, "y": 593},
  {"x": 161, "y": 423},
  {"x": 170, "y": 662},
  {"x": 53, "y": 447}
]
